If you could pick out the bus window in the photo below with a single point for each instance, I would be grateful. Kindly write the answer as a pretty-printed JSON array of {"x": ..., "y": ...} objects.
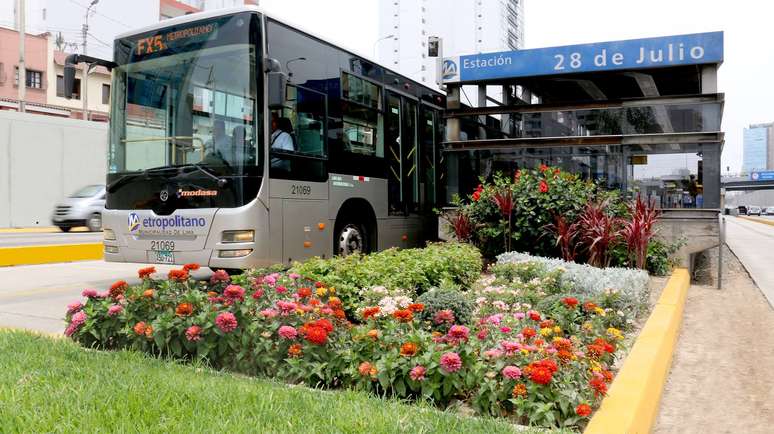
[
  {"x": 392, "y": 143},
  {"x": 427, "y": 130},
  {"x": 297, "y": 140},
  {"x": 410, "y": 152}
]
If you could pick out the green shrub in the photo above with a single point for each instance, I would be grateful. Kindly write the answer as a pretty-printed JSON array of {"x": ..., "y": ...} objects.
[{"x": 439, "y": 299}]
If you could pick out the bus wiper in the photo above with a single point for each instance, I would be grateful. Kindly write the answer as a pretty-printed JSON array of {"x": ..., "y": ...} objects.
[
  {"x": 221, "y": 181},
  {"x": 129, "y": 176}
]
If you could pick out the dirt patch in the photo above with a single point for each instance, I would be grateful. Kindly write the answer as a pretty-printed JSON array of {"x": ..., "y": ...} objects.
[{"x": 722, "y": 377}]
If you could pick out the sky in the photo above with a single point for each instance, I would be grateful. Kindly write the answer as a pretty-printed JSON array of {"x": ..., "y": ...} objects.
[{"x": 746, "y": 23}]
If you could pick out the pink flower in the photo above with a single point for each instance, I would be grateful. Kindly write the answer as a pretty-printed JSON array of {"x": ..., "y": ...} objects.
[
  {"x": 519, "y": 315},
  {"x": 89, "y": 293},
  {"x": 115, "y": 309},
  {"x": 281, "y": 289},
  {"x": 551, "y": 350},
  {"x": 269, "y": 313},
  {"x": 451, "y": 362},
  {"x": 482, "y": 334},
  {"x": 326, "y": 311},
  {"x": 443, "y": 316},
  {"x": 74, "y": 307},
  {"x": 294, "y": 276},
  {"x": 219, "y": 276},
  {"x": 505, "y": 329},
  {"x": 287, "y": 332},
  {"x": 78, "y": 319},
  {"x": 459, "y": 333},
  {"x": 258, "y": 294},
  {"x": 494, "y": 319},
  {"x": 226, "y": 322},
  {"x": 286, "y": 307},
  {"x": 493, "y": 353},
  {"x": 193, "y": 333},
  {"x": 234, "y": 292},
  {"x": 511, "y": 372},
  {"x": 418, "y": 373},
  {"x": 270, "y": 280},
  {"x": 70, "y": 330},
  {"x": 510, "y": 347}
]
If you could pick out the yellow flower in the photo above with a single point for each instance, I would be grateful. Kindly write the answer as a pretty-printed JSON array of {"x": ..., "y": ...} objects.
[
  {"x": 557, "y": 329},
  {"x": 587, "y": 326},
  {"x": 525, "y": 352},
  {"x": 321, "y": 291},
  {"x": 615, "y": 333},
  {"x": 546, "y": 331},
  {"x": 600, "y": 311},
  {"x": 332, "y": 290},
  {"x": 595, "y": 366}
]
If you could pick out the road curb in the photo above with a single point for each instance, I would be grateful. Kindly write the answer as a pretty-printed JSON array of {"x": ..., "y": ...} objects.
[
  {"x": 631, "y": 406},
  {"x": 48, "y": 254},
  {"x": 758, "y": 220}
]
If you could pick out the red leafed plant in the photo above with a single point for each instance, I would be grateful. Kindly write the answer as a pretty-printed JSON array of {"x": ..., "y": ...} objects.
[
  {"x": 598, "y": 232},
  {"x": 462, "y": 225},
  {"x": 566, "y": 234},
  {"x": 639, "y": 229},
  {"x": 503, "y": 198}
]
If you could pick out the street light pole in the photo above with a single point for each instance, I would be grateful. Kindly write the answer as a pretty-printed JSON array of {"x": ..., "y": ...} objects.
[
  {"x": 22, "y": 83},
  {"x": 85, "y": 77},
  {"x": 390, "y": 36}
]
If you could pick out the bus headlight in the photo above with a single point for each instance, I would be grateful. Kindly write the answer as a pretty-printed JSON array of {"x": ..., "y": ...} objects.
[
  {"x": 234, "y": 253},
  {"x": 109, "y": 235},
  {"x": 238, "y": 236}
]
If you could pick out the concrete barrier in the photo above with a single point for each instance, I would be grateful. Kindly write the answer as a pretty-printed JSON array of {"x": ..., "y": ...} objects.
[
  {"x": 632, "y": 403},
  {"x": 28, "y": 255}
]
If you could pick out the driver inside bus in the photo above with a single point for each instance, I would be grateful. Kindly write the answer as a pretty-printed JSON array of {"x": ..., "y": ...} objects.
[
  {"x": 220, "y": 144},
  {"x": 281, "y": 130}
]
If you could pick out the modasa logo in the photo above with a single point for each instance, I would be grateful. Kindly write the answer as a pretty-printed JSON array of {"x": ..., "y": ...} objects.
[
  {"x": 133, "y": 222},
  {"x": 449, "y": 69}
]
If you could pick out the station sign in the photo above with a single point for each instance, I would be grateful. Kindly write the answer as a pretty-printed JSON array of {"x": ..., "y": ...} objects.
[
  {"x": 766, "y": 175},
  {"x": 692, "y": 49}
]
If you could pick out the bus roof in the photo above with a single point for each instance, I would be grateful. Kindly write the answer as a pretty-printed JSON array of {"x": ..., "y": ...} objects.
[{"x": 250, "y": 8}]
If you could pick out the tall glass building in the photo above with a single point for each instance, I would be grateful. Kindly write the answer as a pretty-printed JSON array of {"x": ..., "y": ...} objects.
[{"x": 757, "y": 147}]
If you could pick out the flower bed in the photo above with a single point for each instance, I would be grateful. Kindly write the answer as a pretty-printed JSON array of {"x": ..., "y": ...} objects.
[{"x": 530, "y": 352}]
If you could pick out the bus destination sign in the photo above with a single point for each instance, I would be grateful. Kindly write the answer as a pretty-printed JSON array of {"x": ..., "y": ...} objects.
[{"x": 158, "y": 43}]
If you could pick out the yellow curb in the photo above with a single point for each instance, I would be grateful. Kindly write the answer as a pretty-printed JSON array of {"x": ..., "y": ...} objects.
[
  {"x": 39, "y": 230},
  {"x": 27, "y": 255},
  {"x": 631, "y": 406},
  {"x": 759, "y": 220}
]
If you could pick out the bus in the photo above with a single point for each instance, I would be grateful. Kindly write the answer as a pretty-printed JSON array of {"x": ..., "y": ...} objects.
[{"x": 237, "y": 140}]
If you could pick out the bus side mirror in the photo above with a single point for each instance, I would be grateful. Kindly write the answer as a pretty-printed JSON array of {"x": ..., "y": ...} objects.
[
  {"x": 277, "y": 82},
  {"x": 69, "y": 76}
]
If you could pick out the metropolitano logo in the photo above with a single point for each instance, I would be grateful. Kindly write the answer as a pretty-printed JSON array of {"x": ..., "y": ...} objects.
[
  {"x": 133, "y": 222},
  {"x": 449, "y": 69}
]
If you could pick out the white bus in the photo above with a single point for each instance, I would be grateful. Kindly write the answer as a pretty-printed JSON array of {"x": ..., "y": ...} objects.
[{"x": 237, "y": 140}]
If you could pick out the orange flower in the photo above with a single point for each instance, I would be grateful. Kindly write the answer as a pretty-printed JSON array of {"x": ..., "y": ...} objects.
[
  {"x": 370, "y": 312},
  {"x": 295, "y": 350},
  {"x": 314, "y": 302},
  {"x": 178, "y": 275},
  {"x": 339, "y": 313},
  {"x": 118, "y": 288},
  {"x": 373, "y": 334},
  {"x": 149, "y": 331},
  {"x": 146, "y": 272},
  {"x": 191, "y": 267},
  {"x": 211, "y": 294},
  {"x": 365, "y": 369},
  {"x": 139, "y": 328},
  {"x": 148, "y": 293},
  {"x": 519, "y": 390},
  {"x": 184, "y": 309},
  {"x": 403, "y": 315},
  {"x": 334, "y": 303},
  {"x": 409, "y": 349},
  {"x": 304, "y": 292},
  {"x": 416, "y": 307}
]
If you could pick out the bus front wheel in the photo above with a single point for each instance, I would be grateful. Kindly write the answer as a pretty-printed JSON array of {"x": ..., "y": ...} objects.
[{"x": 351, "y": 238}]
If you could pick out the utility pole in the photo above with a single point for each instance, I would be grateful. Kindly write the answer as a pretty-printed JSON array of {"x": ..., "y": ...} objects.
[
  {"x": 85, "y": 76},
  {"x": 22, "y": 84}
]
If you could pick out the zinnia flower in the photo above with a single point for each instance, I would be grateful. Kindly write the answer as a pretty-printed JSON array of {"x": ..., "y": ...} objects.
[
  {"x": 294, "y": 276},
  {"x": 570, "y": 302},
  {"x": 184, "y": 309},
  {"x": 280, "y": 289},
  {"x": 459, "y": 333},
  {"x": 269, "y": 313},
  {"x": 226, "y": 322},
  {"x": 416, "y": 307},
  {"x": 519, "y": 390},
  {"x": 74, "y": 307},
  {"x": 145, "y": 273},
  {"x": 78, "y": 318},
  {"x": 403, "y": 315},
  {"x": 118, "y": 288},
  {"x": 191, "y": 267},
  {"x": 258, "y": 294},
  {"x": 598, "y": 384},
  {"x": 366, "y": 369},
  {"x": 295, "y": 350},
  {"x": 287, "y": 332},
  {"x": 115, "y": 309},
  {"x": 148, "y": 293},
  {"x": 451, "y": 362},
  {"x": 286, "y": 307},
  {"x": 234, "y": 292},
  {"x": 89, "y": 293},
  {"x": 304, "y": 292},
  {"x": 417, "y": 373},
  {"x": 511, "y": 372},
  {"x": 193, "y": 333},
  {"x": 528, "y": 332},
  {"x": 443, "y": 316},
  {"x": 370, "y": 311},
  {"x": 534, "y": 316},
  {"x": 583, "y": 410},
  {"x": 315, "y": 334},
  {"x": 139, "y": 328},
  {"x": 219, "y": 276},
  {"x": 373, "y": 334},
  {"x": 408, "y": 349},
  {"x": 543, "y": 186},
  {"x": 178, "y": 275}
]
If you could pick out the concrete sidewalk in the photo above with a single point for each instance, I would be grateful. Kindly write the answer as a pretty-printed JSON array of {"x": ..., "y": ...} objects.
[{"x": 753, "y": 243}]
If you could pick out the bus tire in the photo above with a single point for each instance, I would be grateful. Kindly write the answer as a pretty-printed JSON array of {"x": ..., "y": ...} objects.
[{"x": 351, "y": 237}]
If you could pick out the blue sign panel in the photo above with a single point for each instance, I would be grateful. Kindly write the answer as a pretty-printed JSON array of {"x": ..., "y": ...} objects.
[
  {"x": 767, "y": 175},
  {"x": 694, "y": 49}
]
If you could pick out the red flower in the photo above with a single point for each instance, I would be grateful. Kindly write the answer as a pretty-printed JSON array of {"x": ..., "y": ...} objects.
[
  {"x": 178, "y": 275},
  {"x": 598, "y": 384},
  {"x": 234, "y": 292},
  {"x": 118, "y": 288},
  {"x": 146, "y": 272},
  {"x": 193, "y": 333},
  {"x": 258, "y": 294},
  {"x": 295, "y": 350},
  {"x": 304, "y": 292},
  {"x": 570, "y": 302},
  {"x": 477, "y": 193},
  {"x": 226, "y": 322},
  {"x": 605, "y": 345},
  {"x": 589, "y": 306},
  {"x": 314, "y": 334},
  {"x": 534, "y": 316},
  {"x": 543, "y": 186},
  {"x": 318, "y": 284},
  {"x": 335, "y": 303},
  {"x": 549, "y": 323},
  {"x": 403, "y": 315},
  {"x": 583, "y": 410},
  {"x": 324, "y": 324},
  {"x": 191, "y": 267},
  {"x": 416, "y": 307},
  {"x": 542, "y": 371},
  {"x": 528, "y": 332},
  {"x": 370, "y": 312},
  {"x": 543, "y": 168}
]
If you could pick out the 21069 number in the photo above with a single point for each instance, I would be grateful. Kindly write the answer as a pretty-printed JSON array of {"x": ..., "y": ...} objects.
[
  {"x": 162, "y": 246},
  {"x": 301, "y": 190}
]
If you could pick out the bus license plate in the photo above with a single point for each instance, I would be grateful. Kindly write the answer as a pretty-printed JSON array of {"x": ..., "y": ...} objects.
[{"x": 161, "y": 257}]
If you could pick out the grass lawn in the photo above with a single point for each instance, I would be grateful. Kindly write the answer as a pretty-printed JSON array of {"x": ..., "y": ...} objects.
[{"x": 53, "y": 385}]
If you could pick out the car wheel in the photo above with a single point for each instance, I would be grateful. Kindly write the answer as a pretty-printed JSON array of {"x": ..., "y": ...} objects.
[
  {"x": 351, "y": 238},
  {"x": 94, "y": 223},
  {"x": 64, "y": 228}
]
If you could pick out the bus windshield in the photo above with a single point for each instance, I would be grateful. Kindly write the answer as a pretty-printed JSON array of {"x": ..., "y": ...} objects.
[{"x": 195, "y": 107}]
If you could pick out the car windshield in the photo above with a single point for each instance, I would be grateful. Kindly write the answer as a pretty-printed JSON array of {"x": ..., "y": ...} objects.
[
  {"x": 195, "y": 107},
  {"x": 88, "y": 191}
]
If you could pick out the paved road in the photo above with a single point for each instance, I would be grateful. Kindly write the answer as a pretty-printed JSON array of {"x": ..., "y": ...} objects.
[
  {"x": 9, "y": 239},
  {"x": 753, "y": 244},
  {"x": 35, "y": 296}
]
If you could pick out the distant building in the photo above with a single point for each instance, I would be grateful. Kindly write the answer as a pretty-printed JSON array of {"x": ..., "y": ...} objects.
[
  {"x": 466, "y": 26},
  {"x": 758, "y": 148}
]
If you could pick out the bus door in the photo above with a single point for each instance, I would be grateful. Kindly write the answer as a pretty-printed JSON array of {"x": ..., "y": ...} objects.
[
  {"x": 402, "y": 154},
  {"x": 430, "y": 159}
]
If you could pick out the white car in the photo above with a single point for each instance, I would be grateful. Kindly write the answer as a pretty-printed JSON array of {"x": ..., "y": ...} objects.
[
  {"x": 769, "y": 210},
  {"x": 82, "y": 208},
  {"x": 754, "y": 210}
]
